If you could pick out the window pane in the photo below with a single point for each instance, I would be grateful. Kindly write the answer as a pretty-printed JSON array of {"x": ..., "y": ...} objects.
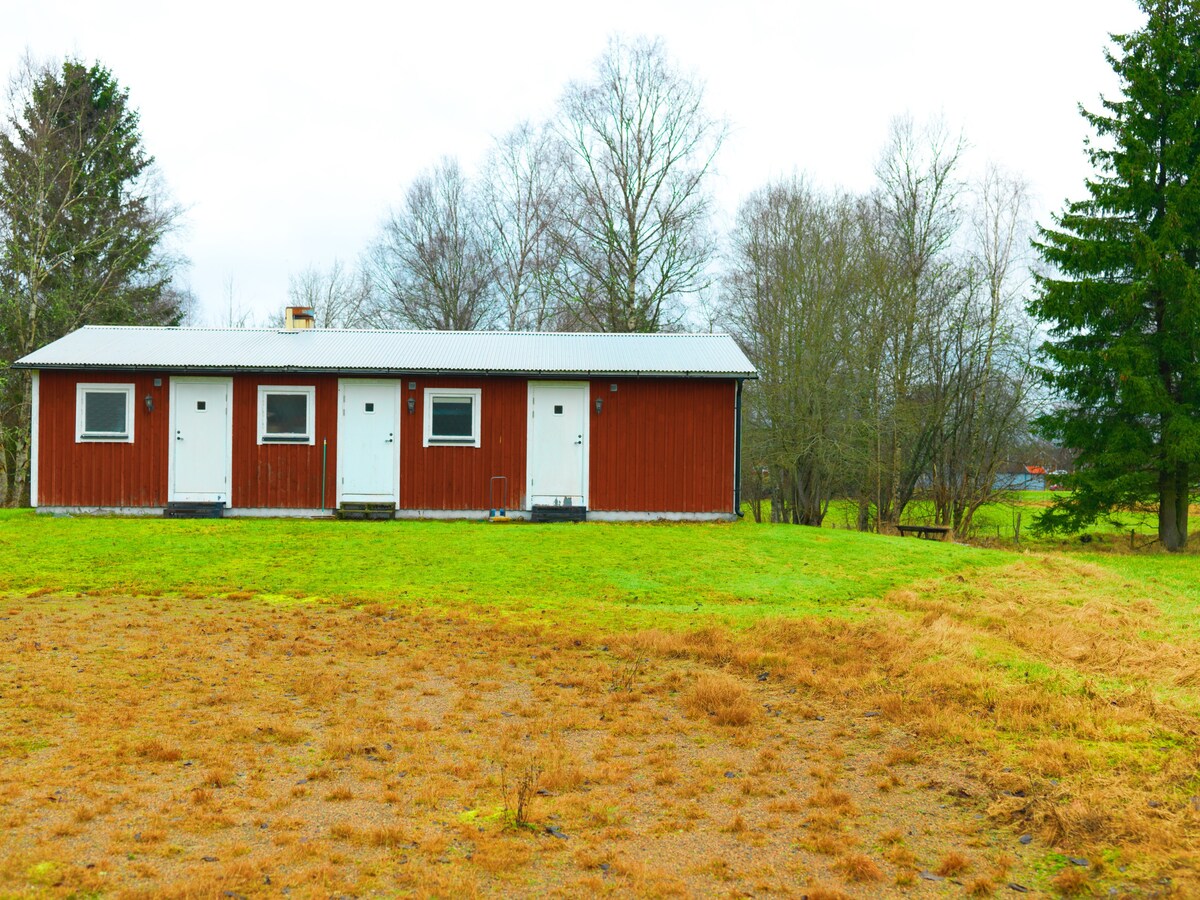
[
  {"x": 287, "y": 414},
  {"x": 451, "y": 418},
  {"x": 104, "y": 412}
]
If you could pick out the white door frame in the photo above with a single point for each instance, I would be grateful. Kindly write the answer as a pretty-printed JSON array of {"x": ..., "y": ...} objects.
[
  {"x": 171, "y": 436},
  {"x": 396, "y": 385},
  {"x": 585, "y": 388},
  {"x": 34, "y": 428}
]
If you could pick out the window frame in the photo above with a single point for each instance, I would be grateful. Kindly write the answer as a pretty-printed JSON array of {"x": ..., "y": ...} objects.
[
  {"x": 82, "y": 436},
  {"x": 309, "y": 392},
  {"x": 433, "y": 394}
]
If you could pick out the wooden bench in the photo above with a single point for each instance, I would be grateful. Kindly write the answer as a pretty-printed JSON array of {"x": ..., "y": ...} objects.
[{"x": 929, "y": 532}]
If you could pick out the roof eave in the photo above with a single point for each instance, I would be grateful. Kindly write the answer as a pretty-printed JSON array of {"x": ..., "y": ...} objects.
[{"x": 319, "y": 370}]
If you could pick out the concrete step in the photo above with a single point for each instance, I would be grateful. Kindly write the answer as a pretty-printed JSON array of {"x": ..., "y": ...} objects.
[
  {"x": 548, "y": 513},
  {"x": 189, "y": 510},
  {"x": 374, "y": 511}
]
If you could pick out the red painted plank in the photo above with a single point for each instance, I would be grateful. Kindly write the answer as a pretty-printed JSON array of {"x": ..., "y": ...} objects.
[{"x": 663, "y": 445}]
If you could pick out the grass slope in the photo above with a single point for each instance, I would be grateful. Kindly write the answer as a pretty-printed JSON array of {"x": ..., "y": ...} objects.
[{"x": 606, "y": 574}]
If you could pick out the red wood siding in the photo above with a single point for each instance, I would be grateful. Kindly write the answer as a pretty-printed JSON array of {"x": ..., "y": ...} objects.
[
  {"x": 458, "y": 477},
  {"x": 98, "y": 473},
  {"x": 662, "y": 445},
  {"x": 283, "y": 476}
]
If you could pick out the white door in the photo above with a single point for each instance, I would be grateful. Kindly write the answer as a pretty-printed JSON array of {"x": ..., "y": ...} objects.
[
  {"x": 558, "y": 443},
  {"x": 202, "y": 439},
  {"x": 368, "y": 450}
]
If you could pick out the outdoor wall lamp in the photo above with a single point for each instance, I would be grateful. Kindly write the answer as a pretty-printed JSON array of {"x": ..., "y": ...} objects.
[
  {"x": 412, "y": 405},
  {"x": 599, "y": 405},
  {"x": 149, "y": 401}
]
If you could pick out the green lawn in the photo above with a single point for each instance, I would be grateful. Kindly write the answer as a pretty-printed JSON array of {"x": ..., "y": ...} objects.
[{"x": 612, "y": 574}]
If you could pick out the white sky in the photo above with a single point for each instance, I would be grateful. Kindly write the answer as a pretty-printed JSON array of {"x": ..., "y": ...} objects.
[{"x": 288, "y": 129}]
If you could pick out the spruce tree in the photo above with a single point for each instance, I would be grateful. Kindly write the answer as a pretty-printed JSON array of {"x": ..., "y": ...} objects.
[
  {"x": 1121, "y": 304},
  {"x": 82, "y": 228}
]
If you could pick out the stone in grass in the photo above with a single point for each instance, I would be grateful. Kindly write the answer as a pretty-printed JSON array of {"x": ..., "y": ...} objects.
[
  {"x": 555, "y": 831},
  {"x": 930, "y": 876},
  {"x": 1078, "y": 861},
  {"x": 1019, "y": 888},
  {"x": 1026, "y": 839}
]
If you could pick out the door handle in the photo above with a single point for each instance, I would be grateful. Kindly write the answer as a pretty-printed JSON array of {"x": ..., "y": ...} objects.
[
  {"x": 389, "y": 438},
  {"x": 178, "y": 435},
  {"x": 579, "y": 440}
]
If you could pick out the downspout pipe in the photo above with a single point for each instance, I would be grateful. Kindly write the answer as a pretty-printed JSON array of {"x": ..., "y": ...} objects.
[{"x": 737, "y": 451}]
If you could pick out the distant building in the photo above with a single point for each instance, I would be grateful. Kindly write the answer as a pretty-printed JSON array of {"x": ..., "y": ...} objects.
[{"x": 1020, "y": 478}]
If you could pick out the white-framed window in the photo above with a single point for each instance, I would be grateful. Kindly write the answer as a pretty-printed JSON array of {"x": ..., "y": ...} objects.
[
  {"x": 452, "y": 417},
  {"x": 104, "y": 412},
  {"x": 285, "y": 414}
]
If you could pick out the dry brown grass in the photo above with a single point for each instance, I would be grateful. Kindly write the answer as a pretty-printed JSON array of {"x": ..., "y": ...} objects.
[
  {"x": 1082, "y": 736},
  {"x": 859, "y": 867},
  {"x": 336, "y": 750},
  {"x": 1071, "y": 882},
  {"x": 723, "y": 699},
  {"x": 953, "y": 863}
]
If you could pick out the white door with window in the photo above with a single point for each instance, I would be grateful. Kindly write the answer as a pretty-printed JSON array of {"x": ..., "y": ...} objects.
[
  {"x": 201, "y": 454},
  {"x": 368, "y": 451},
  {"x": 558, "y": 443}
]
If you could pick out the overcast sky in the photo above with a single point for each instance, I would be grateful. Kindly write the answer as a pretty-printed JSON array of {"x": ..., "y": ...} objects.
[{"x": 287, "y": 130}]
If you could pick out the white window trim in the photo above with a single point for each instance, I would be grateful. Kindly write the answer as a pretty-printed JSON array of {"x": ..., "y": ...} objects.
[
  {"x": 308, "y": 391},
  {"x": 432, "y": 394},
  {"x": 81, "y": 437}
]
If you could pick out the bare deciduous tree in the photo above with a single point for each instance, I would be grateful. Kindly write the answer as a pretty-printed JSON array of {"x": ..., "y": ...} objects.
[
  {"x": 890, "y": 340},
  {"x": 635, "y": 232},
  {"x": 523, "y": 193},
  {"x": 793, "y": 294},
  {"x": 986, "y": 411},
  {"x": 339, "y": 297},
  {"x": 918, "y": 208},
  {"x": 433, "y": 265}
]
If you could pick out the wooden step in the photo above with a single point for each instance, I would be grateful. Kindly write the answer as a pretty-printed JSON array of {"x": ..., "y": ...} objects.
[
  {"x": 194, "y": 510},
  {"x": 359, "y": 511},
  {"x": 548, "y": 513}
]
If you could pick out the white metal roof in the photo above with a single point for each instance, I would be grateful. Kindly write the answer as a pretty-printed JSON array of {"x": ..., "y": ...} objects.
[{"x": 398, "y": 352}]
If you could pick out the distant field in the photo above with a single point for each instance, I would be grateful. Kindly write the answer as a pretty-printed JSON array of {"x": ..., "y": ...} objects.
[
  {"x": 201, "y": 707},
  {"x": 1012, "y": 516}
]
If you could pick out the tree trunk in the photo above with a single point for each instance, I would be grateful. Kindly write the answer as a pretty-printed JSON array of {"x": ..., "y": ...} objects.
[
  {"x": 1182, "y": 502},
  {"x": 1173, "y": 508},
  {"x": 864, "y": 516},
  {"x": 19, "y": 495}
]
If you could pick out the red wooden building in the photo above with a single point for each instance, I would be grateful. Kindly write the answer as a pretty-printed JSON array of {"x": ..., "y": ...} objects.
[{"x": 301, "y": 421}]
